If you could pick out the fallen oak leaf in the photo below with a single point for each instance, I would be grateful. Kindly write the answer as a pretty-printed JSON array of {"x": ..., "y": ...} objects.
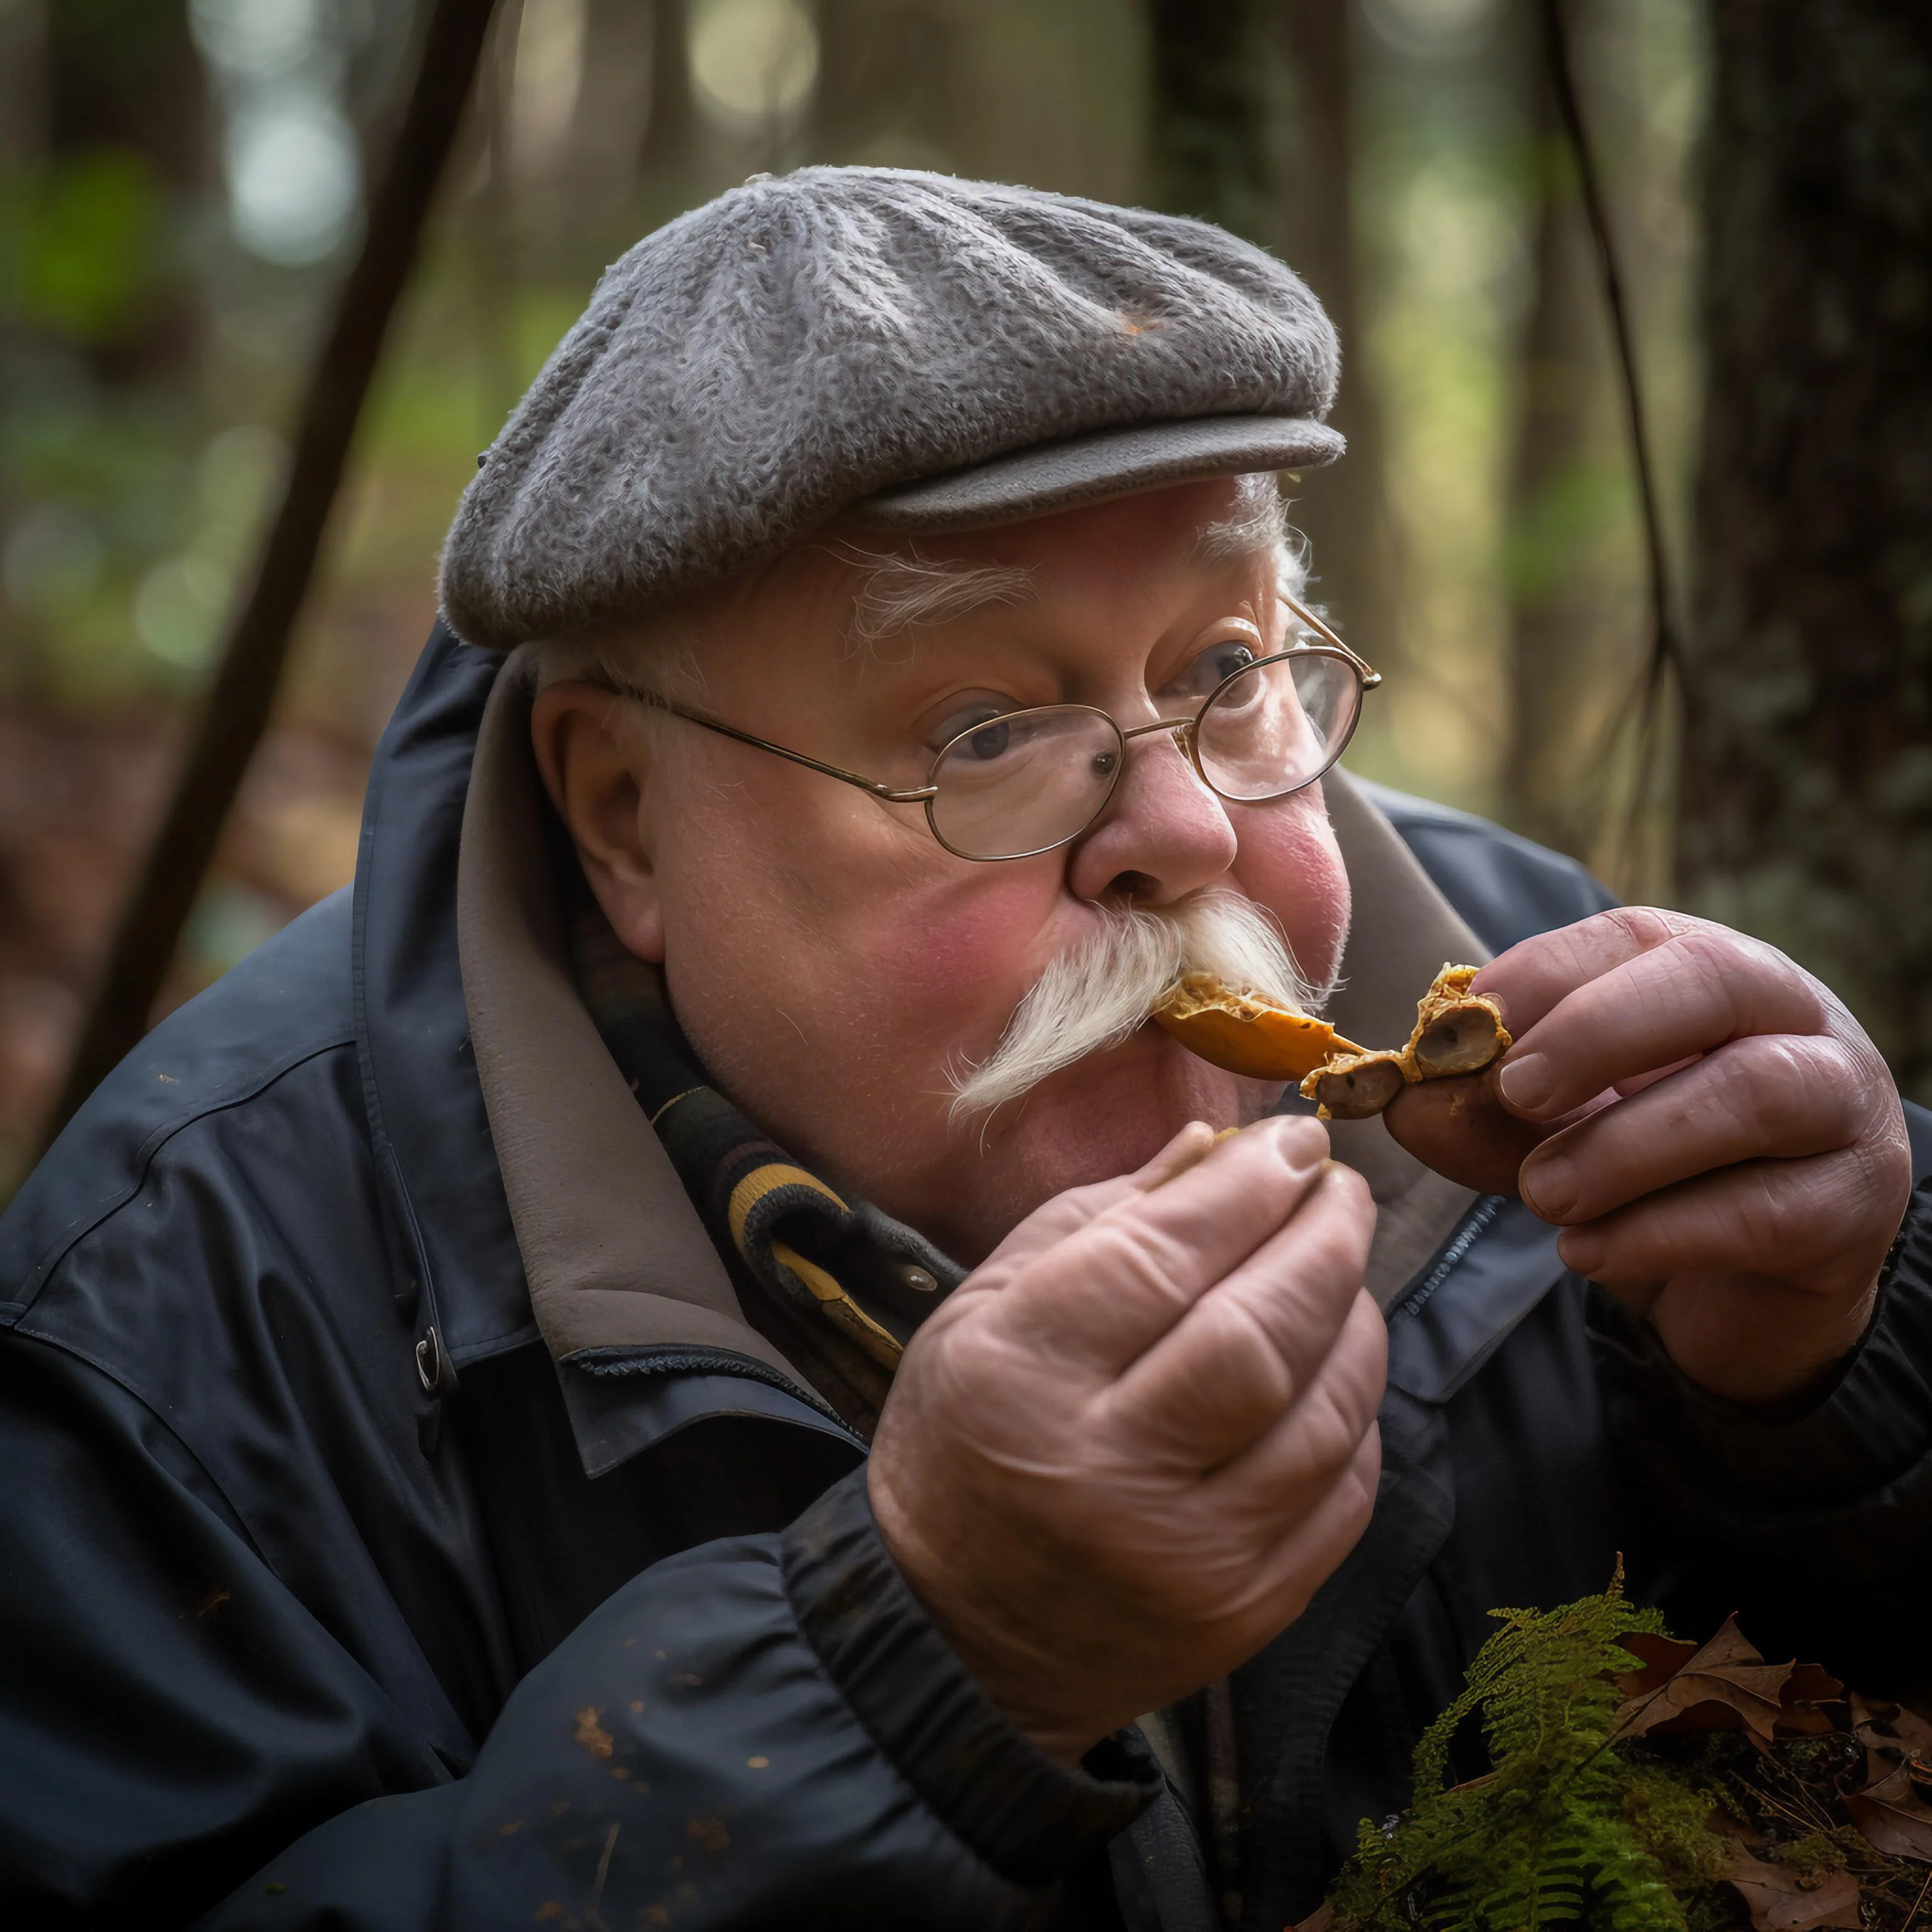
[
  {"x": 1724, "y": 1685},
  {"x": 1893, "y": 1816},
  {"x": 1662, "y": 1658},
  {"x": 1809, "y": 1687},
  {"x": 1892, "y": 1736},
  {"x": 1781, "y": 1900}
]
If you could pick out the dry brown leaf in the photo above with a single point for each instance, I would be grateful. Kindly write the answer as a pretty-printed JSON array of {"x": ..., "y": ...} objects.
[
  {"x": 1322, "y": 1920},
  {"x": 1892, "y": 1815},
  {"x": 1808, "y": 1686},
  {"x": 1724, "y": 1685},
  {"x": 1662, "y": 1658},
  {"x": 1780, "y": 1899},
  {"x": 1891, "y": 1735}
]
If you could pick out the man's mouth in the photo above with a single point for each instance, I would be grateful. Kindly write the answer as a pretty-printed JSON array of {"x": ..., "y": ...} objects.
[{"x": 1102, "y": 991}]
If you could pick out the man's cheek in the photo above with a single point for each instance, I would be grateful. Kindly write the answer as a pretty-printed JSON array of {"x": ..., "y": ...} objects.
[
  {"x": 1289, "y": 861},
  {"x": 952, "y": 968}
]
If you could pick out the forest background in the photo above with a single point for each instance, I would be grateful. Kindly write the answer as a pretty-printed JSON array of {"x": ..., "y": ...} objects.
[{"x": 183, "y": 182}]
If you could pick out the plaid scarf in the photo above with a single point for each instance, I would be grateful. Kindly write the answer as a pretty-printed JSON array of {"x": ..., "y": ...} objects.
[{"x": 836, "y": 1286}]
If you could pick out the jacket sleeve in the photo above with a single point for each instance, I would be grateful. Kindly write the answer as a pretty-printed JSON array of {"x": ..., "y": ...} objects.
[
  {"x": 1812, "y": 1521},
  {"x": 761, "y": 1730}
]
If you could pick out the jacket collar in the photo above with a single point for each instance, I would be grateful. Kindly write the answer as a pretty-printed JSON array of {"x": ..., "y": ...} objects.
[{"x": 442, "y": 1189}]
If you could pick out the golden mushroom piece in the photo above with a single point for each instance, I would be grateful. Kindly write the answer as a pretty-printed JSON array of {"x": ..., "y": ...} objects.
[
  {"x": 1246, "y": 1033},
  {"x": 1457, "y": 1032}
]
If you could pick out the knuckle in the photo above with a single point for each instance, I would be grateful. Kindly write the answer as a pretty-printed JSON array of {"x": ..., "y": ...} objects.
[
  {"x": 1136, "y": 1254},
  {"x": 1793, "y": 1089},
  {"x": 1879, "y": 1170},
  {"x": 1702, "y": 976},
  {"x": 1645, "y": 927}
]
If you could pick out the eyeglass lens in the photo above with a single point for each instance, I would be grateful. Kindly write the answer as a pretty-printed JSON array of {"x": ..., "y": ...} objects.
[
  {"x": 1278, "y": 724},
  {"x": 1031, "y": 781},
  {"x": 1025, "y": 783}
]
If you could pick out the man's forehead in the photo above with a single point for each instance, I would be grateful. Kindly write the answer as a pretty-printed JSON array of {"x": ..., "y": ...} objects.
[{"x": 1204, "y": 527}]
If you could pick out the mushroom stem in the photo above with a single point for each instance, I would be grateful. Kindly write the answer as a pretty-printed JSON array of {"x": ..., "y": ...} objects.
[{"x": 1356, "y": 1086}]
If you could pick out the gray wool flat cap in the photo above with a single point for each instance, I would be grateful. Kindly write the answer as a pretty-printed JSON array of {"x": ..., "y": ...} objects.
[{"x": 927, "y": 353}]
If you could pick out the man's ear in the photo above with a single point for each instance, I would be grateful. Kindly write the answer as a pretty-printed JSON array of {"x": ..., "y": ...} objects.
[{"x": 595, "y": 757}]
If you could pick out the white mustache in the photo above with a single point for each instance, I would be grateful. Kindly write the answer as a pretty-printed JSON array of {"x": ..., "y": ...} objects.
[{"x": 1098, "y": 993}]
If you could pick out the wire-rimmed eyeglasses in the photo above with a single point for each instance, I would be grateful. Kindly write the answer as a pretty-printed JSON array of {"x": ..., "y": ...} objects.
[{"x": 1029, "y": 781}]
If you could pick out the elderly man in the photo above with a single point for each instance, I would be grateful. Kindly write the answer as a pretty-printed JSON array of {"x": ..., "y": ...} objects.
[{"x": 686, "y": 1356}]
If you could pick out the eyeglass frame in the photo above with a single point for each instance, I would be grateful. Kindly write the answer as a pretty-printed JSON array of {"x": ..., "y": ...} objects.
[{"x": 1182, "y": 730}]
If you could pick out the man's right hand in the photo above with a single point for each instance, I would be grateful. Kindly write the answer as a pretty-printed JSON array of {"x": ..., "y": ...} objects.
[{"x": 1127, "y": 1449}]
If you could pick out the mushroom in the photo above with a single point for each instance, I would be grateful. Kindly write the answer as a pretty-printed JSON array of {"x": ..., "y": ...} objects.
[
  {"x": 1248, "y": 1033},
  {"x": 1457, "y": 1032},
  {"x": 1357, "y": 1085}
]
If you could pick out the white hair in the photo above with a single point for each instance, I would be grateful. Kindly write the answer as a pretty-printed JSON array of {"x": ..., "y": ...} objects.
[
  {"x": 663, "y": 655},
  {"x": 1099, "y": 992},
  {"x": 898, "y": 590},
  {"x": 1259, "y": 524}
]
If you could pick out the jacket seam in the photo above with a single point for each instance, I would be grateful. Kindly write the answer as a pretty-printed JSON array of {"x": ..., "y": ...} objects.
[
  {"x": 1473, "y": 1225},
  {"x": 69, "y": 1238},
  {"x": 110, "y": 1373}
]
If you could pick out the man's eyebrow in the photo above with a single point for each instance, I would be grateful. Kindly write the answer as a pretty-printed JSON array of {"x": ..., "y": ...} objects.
[
  {"x": 899, "y": 590},
  {"x": 1258, "y": 526}
]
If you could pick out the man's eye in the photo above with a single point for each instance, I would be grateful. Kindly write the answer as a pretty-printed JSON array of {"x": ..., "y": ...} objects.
[
  {"x": 980, "y": 716},
  {"x": 989, "y": 741},
  {"x": 1217, "y": 662}
]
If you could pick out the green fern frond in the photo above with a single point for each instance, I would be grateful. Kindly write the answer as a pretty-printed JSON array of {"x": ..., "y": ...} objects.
[{"x": 1564, "y": 1831}]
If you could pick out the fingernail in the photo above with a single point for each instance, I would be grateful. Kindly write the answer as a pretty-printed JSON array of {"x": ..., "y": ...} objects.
[
  {"x": 1300, "y": 1149},
  {"x": 1549, "y": 1184},
  {"x": 1580, "y": 1250},
  {"x": 1528, "y": 1082}
]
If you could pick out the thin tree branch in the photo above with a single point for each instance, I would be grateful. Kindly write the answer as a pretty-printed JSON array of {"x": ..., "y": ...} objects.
[
  {"x": 1563, "y": 84},
  {"x": 239, "y": 701},
  {"x": 1666, "y": 655}
]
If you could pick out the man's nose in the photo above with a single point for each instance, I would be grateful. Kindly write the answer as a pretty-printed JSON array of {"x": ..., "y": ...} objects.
[{"x": 1164, "y": 834}]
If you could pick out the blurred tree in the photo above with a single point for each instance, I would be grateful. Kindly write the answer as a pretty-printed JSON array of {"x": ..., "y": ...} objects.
[
  {"x": 492, "y": 228},
  {"x": 237, "y": 708},
  {"x": 889, "y": 82},
  {"x": 1553, "y": 506},
  {"x": 668, "y": 125},
  {"x": 1252, "y": 126},
  {"x": 1208, "y": 130},
  {"x": 1806, "y": 775},
  {"x": 126, "y": 120},
  {"x": 1343, "y": 513}
]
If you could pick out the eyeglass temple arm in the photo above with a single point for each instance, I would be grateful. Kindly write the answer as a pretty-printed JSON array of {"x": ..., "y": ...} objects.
[
  {"x": 876, "y": 787},
  {"x": 1370, "y": 677}
]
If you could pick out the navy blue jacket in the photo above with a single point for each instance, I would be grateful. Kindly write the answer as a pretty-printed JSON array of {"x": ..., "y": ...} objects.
[{"x": 311, "y": 1616}]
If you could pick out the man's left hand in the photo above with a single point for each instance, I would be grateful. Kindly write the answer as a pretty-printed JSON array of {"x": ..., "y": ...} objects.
[{"x": 1745, "y": 1167}]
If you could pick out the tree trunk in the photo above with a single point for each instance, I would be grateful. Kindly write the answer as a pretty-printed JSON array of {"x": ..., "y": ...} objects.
[
  {"x": 236, "y": 710},
  {"x": 1252, "y": 127},
  {"x": 1207, "y": 130},
  {"x": 1553, "y": 518},
  {"x": 1807, "y": 771},
  {"x": 1341, "y": 509},
  {"x": 668, "y": 126}
]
